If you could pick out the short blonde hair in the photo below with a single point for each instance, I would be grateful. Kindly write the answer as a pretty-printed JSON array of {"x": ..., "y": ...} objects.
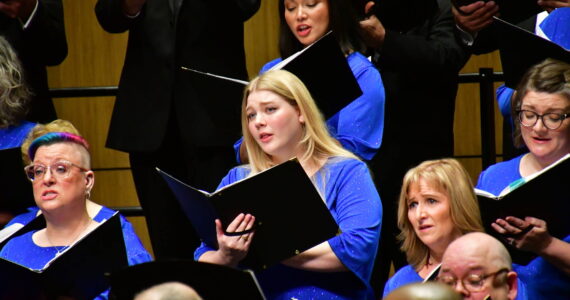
[
  {"x": 316, "y": 141},
  {"x": 58, "y": 125},
  {"x": 447, "y": 175}
]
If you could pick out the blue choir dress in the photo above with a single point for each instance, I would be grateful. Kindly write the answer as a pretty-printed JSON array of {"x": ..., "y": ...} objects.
[
  {"x": 353, "y": 201},
  {"x": 24, "y": 251},
  {"x": 543, "y": 280},
  {"x": 360, "y": 124},
  {"x": 14, "y": 136}
]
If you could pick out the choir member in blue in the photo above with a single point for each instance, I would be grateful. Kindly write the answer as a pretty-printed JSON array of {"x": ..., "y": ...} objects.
[
  {"x": 62, "y": 182},
  {"x": 437, "y": 205},
  {"x": 359, "y": 125},
  {"x": 279, "y": 121},
  {"x": 542, "y": 111},
  {"x": 554, "y": 26},
  {"x": 14, "y": 104}
]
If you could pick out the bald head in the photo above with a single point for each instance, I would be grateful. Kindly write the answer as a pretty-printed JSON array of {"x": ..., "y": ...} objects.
[
  {"x": 479, "y": 255},
  {"x": 423, "y": 291},
  {"x": 480, "y": 245},
  {"x": 169, "y": 291}
]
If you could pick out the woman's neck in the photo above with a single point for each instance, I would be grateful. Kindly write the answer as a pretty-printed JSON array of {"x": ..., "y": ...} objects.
[
  {"x": 311, "y": 166},
  {"x": 64, "y": 230},
  {"x": 531, "y": 164},
  {"x": 433, "y": 259}
]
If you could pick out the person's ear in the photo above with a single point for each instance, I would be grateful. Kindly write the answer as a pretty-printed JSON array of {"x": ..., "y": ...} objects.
[
  {"x": 512, "y": 285},
  {"x": 368, "y": 7},
  {"x": 89, "y": 180},
  {"x": 301, "y": 119}
]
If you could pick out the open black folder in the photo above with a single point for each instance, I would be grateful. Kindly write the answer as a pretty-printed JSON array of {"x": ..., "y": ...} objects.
[
  {"x": 521, "y": 49},
  {"x": 210, "y": 281},
  {"x": 544, "y": 195},
  {"x": 291, "y": 216},
  {"x": 77, "y": 273},
  {"x": 324, "y": 70}
]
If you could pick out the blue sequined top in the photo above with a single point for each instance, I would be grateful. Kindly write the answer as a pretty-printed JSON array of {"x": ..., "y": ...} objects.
[
  {"x": 14, "y": 136},
  {"x": 355, "y": 205},
  {"x": 543, "y": 280},
  {"x": 24, "y": 251}
]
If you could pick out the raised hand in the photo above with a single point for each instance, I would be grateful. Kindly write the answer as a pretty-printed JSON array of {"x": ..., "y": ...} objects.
[{"x": 233, "y": 248}]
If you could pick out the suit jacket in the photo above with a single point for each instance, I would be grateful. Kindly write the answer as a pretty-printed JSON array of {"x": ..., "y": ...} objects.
[
  {"x": 42, "y": 43},
  {"x": 419, "y": 63},
  {"x": 203, "y": 35}
]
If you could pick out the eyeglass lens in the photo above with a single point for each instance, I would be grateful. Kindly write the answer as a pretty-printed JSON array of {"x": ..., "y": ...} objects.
[{"x": 550, "y": 120}]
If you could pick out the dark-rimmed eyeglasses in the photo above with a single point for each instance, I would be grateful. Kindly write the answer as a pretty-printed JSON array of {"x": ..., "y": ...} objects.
[
  {"x": 59, "y": 169},
  {"x": 528, "y": 118},
  {"x": 473, "y": 282}
]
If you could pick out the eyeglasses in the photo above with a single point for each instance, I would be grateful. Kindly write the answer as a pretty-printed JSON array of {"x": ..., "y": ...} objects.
[
  {"x": 473, "y": 282},
  {"x": 59, "y": 169},
  {"x": 528, "y": 118}
]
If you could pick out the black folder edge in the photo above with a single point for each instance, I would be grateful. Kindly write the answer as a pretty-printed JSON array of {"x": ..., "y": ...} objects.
[
  {"x": 491, "y": 209},
  {"x": 47, "y": 278},
  {"x": 210, "y": 281},
  {"x": 332, "y": 87},
  {"x": 325, "y": 71},
  {"x": 321, "y": 226},
  {"x": 521, "y": 49}
]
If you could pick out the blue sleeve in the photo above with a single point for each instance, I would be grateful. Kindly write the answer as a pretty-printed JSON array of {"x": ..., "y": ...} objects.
[
  {"x": 359, "y": 125},
  {"x": 237, "y": 145},
  {"x": 358, "y": 212},
  {"x": 269, "y": 65},
  {"x": 136, "y": 253},
  {"x": 405, "y": 275},
  {"x": 504, "y": 95}
]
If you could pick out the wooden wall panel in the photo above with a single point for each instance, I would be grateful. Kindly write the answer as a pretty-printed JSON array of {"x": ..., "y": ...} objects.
[
  {"x": 261, "y": 37},
  {"x": 467, "y": 127}
]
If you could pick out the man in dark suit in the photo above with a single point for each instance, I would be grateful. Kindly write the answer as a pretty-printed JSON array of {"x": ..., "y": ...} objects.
[
  {"x": 179, "y": 121},
  {"x": 36, "y": 31},
  {"x": 415, "y": 50}
]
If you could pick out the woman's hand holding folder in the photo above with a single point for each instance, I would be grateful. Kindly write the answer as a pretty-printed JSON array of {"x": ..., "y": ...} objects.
[{"x": 232, "y": 246}]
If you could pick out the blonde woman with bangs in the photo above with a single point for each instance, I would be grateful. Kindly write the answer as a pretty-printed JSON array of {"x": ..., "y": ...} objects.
[
  {"x": 280, "y": 121},
  {"x": 437, "y": 205}
]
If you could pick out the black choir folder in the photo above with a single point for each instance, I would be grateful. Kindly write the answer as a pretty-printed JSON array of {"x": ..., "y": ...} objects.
[
  {"x": 324, "y": 70},
  {"x": 210, "y": 281},
  {"x": 291, "y": 216},
  {"x": 521, "y": 49},
  {"x": 77, "y": 273},
  {"x": 544, "y": 195}
]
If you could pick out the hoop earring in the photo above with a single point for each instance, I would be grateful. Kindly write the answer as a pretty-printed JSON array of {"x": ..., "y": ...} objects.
[{"x": 88, "y": 195}]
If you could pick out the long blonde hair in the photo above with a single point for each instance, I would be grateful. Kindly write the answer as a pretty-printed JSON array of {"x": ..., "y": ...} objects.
[
  {"x": 316, "y": 141},
  {"x": 447, "y": 175}
]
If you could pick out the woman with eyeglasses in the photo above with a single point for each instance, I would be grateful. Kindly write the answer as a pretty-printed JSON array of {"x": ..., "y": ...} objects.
[
  {"x": 542, "y": 111},
  {"x": 62, "y": 180}
]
